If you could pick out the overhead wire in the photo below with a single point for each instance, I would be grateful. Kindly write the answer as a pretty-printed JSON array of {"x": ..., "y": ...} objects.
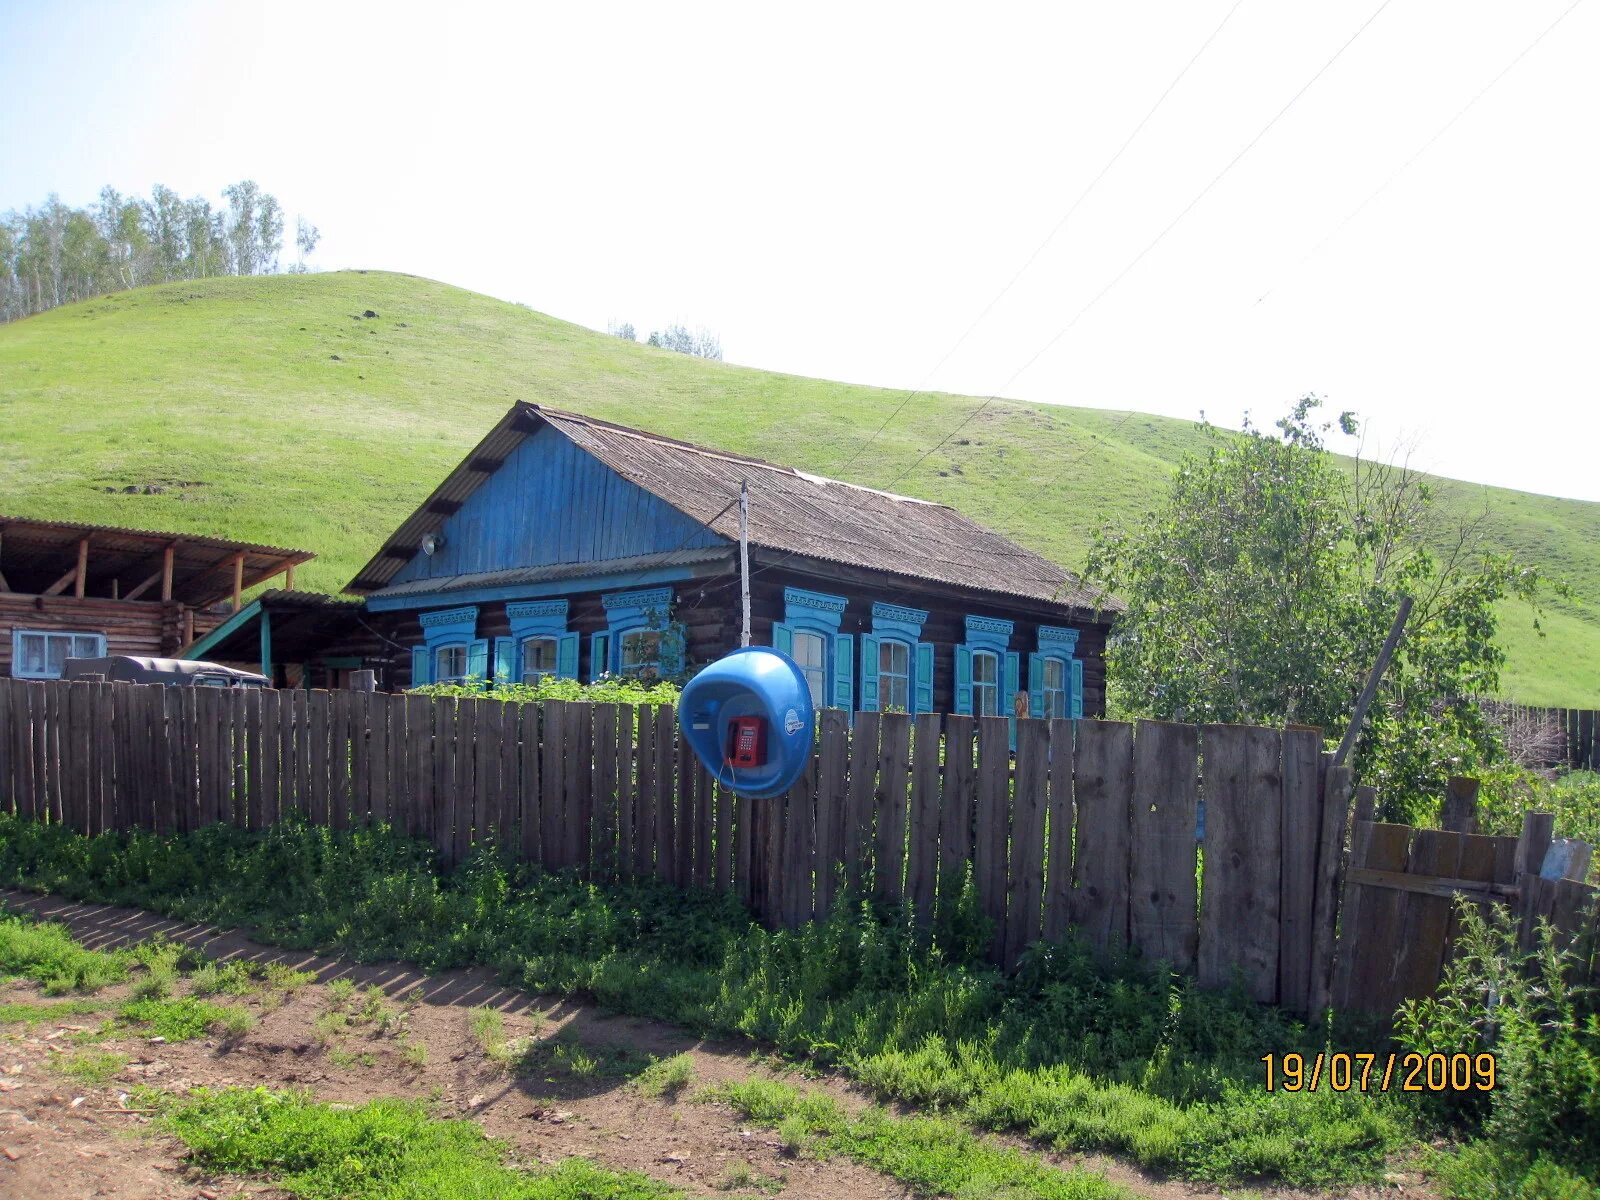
[
  {"x": 1355, "y": 212},
  {"x": 1421, "y": 150},
  {"x": 1049, "y": 237},
  {"x": 1151, "y": 245}
]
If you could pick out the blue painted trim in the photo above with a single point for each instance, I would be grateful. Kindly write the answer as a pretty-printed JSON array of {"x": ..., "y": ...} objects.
[
  {"x": 818, "y": 608},
  {"x": 378, "y": 602},
  {"x": 649, "y": 598},
  {"x": 892, "y": 620},
  {"x": 1062, "y": 644},
  {"x": 449, "y": 627},
  {"x": 538, "y": 618},
  {"x": 821, "y": 614},
  {"x": 989, "y": 633},
  {"x": 231, "y": 626},
  {"x": 628, "y": 612},
  {"x": 1055, "y": 638}
]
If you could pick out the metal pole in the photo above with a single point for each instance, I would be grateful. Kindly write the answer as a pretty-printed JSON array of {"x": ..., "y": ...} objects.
[
  {"x": 744, "y": 561},
  {"x": 1378, "y": 668}
]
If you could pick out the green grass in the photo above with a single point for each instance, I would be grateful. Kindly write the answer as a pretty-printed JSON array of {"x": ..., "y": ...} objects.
[
  {"x": 48, "y": 954},
  {"x": 383, "y": 1150},
  {"x": 226, "y": 393},
  {"x": 235, "y": 978},
  {"x": 92, "y": 1068},
  {"x": 931, "y": 1155},
  {"x": 666, "y": 1077},
  {"x": 36, "y": 1014},
  {"x": 1087, "y": 1056},
  {"x": 185, "y": 1018}
]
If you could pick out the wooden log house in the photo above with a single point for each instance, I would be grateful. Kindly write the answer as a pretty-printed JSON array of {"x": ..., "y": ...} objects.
[
  {"x": 71, "y": 590},
  {"x": 567, "y": 546}
]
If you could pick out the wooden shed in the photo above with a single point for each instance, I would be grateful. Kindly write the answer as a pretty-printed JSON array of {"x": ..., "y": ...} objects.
[
  {"x": 69, "y": 590},
  {"x": 570, "y": 546}
]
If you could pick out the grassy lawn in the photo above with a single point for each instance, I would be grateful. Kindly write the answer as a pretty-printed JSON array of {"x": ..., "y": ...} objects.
[
  {"x": 1081, "y": 1055},
  {"x": 382, "y": 1150},
  {"x": 270, "y": 409}
]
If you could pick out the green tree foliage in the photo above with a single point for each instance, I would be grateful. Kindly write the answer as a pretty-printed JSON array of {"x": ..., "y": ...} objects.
[
  {"x": 54, "y": 254},
  {"x": 1261, "y": 590},
  {"x": 609, "y": 690}
]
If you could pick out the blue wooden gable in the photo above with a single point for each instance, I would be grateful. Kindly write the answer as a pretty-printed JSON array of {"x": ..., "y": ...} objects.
[{"x": 551, "y": 502}]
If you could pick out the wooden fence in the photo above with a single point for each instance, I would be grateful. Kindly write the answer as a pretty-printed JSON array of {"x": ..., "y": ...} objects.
[
  {"x": 1399, "y": 911},
  {"x": 1562, "y": 736},
  {"x": 1092, "y": 824}
]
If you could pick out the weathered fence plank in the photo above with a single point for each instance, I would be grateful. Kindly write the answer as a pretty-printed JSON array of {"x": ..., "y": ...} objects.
[
  {"x": 1025, "y": 871},
  {"x": 1103, "y": 793},
  {"x": 1299, "y": 835},
  {"x": 922, "y": 863},
  {"x": 894, "y": 764},
  {"x": 1092, "y": 824},
  {"x": 860, "y": 791},
  {"x": 992, "y": 825},
  {"x": 833, "y": 754},
  {"x": 1060, "y": 821},
  {"x": 1161, "y": 895}
]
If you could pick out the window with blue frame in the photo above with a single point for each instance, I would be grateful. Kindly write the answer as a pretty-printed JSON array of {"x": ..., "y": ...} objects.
[
  {"x": 1055, "y": 674},
  {"x": 896, "y": 664},
  {"x": 539, "y": 645},
  {"x": 639, "y": 640},
  {"x": 450, "y": 651},
  {"x": 987, "y": 671},
  {"x": 809, "y": 634}
]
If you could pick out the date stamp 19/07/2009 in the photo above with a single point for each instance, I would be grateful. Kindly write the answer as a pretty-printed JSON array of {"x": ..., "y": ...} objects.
[{"x": 1390, "y": 1071}]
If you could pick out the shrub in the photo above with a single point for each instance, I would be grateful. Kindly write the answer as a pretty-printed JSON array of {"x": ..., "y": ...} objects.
[
  {"x": 608, "y": 689},
  {"x": 1543, "y": 1030}
]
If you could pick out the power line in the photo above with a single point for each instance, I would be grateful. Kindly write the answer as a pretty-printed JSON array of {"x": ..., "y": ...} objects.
[
  {"x": 1423, "y": 149},
  {"x": 1153, "y": 243},
  {"x": 1049, "y": 237}
]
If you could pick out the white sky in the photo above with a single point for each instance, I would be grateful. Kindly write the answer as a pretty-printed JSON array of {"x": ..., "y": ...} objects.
[{"x": 838, "y": 190}]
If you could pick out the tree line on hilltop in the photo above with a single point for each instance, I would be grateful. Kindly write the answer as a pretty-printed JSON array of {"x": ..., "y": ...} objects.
[{"x": 55, "y": 254}]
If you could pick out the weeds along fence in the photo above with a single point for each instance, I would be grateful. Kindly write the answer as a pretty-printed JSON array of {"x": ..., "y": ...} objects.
[
  {"x": 1400, "y": 915},
  {"x": 1092, "y": 824}
]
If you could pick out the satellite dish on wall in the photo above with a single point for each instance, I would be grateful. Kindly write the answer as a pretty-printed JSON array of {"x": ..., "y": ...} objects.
[
  {"x": 749, "y": 719},
  {"x": 432, "y": 543}
]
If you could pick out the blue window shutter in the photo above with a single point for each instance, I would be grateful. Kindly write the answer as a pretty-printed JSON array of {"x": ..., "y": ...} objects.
[
  {"x": 783, "y": 637},
  {"x": 1013, "y": 685},
  {"x": 599, "y": 655},
  {"x": 478, "y": 659},
  {"x": 922, "y": 698},
  {"x": 1077, "y": 688},
  {"x": 1036, "y": 685},
  {"x": 844, "y": 673},
  {"x": 869, "y": 673},
  {"x": 420, "y": 661},
  {"x": 964, "y": 680},
  {"x": 567, "y": 656},
  {"x": 505, "y": 660}
]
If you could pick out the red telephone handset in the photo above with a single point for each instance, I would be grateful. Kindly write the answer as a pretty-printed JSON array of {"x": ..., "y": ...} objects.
[{"x": 747, "y": 742}]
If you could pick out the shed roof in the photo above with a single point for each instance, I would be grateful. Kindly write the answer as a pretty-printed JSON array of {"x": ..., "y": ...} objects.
[
  {"x": 791, "y": 512},
  {"x": 36, "y": 554}
]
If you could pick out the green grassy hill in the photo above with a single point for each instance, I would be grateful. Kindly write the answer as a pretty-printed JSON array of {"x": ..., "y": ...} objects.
[{"x": 270, "y": 409}]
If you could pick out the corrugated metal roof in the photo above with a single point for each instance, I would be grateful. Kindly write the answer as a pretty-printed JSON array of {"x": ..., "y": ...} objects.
[
  {"x": 516, "y": 575},
  {"x": 37, "y": 551},
  {"x": 790, "y": 511}
]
